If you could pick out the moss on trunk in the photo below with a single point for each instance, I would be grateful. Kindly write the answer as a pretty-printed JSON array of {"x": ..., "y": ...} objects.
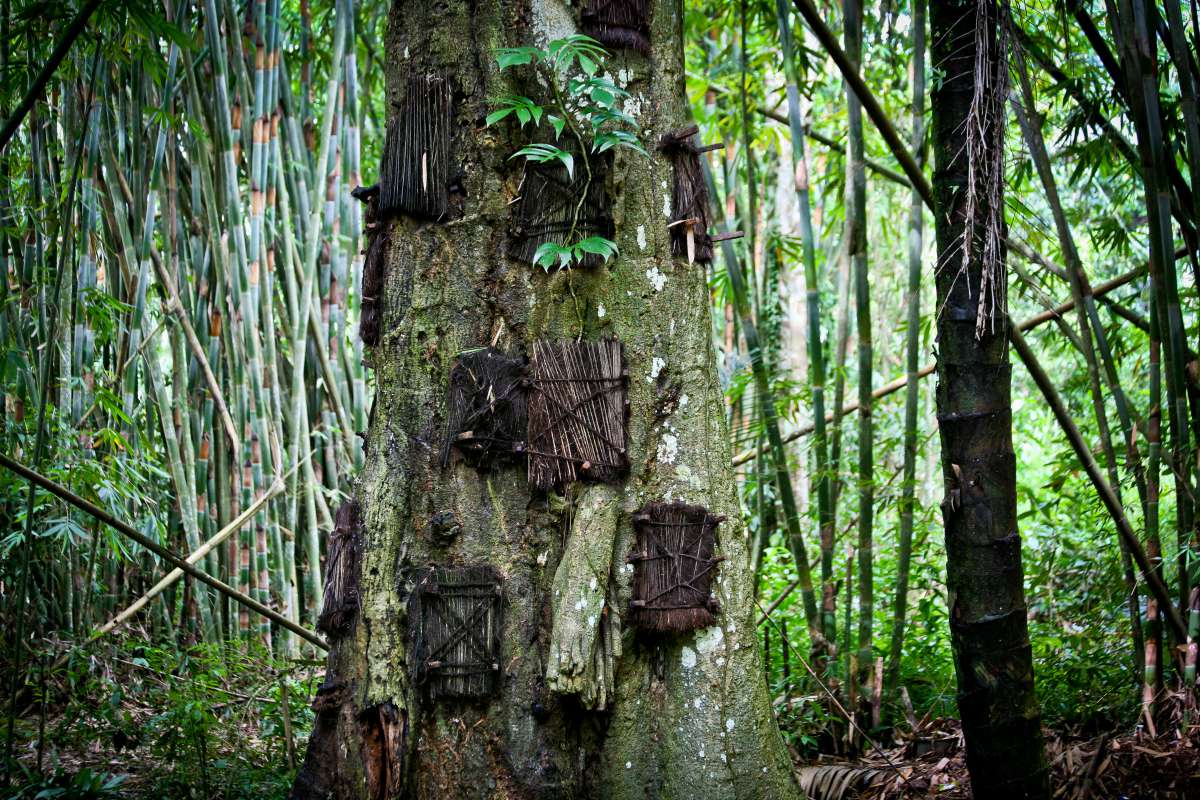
[{"x": 686, "y": 717}]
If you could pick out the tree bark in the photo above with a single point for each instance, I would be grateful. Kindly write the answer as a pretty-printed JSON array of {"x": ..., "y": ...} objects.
[
  {"x": 585, "y": 707},
  {"x": 993, "y": 658}
]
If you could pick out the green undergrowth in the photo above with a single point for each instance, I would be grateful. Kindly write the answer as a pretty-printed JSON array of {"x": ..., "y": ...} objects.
[{"x": 143, "y": 721}]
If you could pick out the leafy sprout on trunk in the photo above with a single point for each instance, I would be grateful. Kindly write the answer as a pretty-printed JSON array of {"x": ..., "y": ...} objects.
[{"x": 583, "y": 104}]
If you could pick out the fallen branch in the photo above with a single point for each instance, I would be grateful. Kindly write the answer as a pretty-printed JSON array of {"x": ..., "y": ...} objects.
[{"x": 100, "y": 514}]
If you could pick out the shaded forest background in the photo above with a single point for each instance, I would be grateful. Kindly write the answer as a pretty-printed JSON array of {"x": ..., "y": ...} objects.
[{"x": 178, "y": 324}]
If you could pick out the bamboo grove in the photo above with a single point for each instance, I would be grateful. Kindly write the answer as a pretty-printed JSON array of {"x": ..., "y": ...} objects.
[
  {"x": 181, "y": 240},
  {"x": 182, "y": 292}
]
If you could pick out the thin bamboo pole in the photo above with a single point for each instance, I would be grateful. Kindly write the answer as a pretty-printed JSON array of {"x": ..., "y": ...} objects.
[{"x": 154, "y": 547}]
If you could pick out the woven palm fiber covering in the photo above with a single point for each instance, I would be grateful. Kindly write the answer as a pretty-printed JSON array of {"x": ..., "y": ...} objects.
[
  {"x": 315, "y": 780},
  {"x": 673, "y": 568},
  {"x": 689, "y": 201},
  {"x": 343, "y": 570},
  {"x": 454, "y": 624},
  {"x": 619, "y": 23},
  {"x": 485, "y": 408},
  {"x": 578, "y": 410},
  {"x": 383, "y": 730},
  {"x": 373, "y": 264},
  {"x": 547, "y": 204},
  {"x": 415, "y": 175}
]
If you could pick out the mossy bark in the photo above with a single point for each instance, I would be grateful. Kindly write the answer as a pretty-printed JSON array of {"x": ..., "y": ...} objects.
[{"x": 683, "y": 717}]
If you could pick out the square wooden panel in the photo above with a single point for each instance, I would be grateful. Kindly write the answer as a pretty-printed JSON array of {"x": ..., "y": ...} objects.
[
  {"x": 673, "y": 568},
  {"x": 343, "y": 571},
  {"x": 689, "y": 201},
  {"x": 485, "y": 408},
  {"x": 578, "y": 413},
  {"x": 619, "y": 23},
  {"x": 546, "y": 206},
  {"x": 455, "y": 623},
  {"x": 416, "y": 172}
]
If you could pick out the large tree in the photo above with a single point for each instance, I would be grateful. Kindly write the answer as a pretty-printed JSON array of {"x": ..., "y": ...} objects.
[
  {"x": 585, "y": 706},
  {"x": 992, "y": 655}
]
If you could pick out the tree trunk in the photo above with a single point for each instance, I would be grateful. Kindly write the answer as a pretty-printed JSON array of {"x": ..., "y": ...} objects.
[
  {"x": 584, "y": 706},
  {"x": 993, "y": 659}
]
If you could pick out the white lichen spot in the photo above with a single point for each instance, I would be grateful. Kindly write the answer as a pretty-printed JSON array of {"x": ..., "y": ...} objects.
[
  {"x": 683, "y": 401},
  {"x": 542, "y": 556},
  {"x": 672, "y": 328},
  {"x": 709, "y": 639},
  {"x": 592, "y": 585},
  {"x": 656, "y": 367},
  {"x": 688, "y": 658},
  {"x": 580, "y": 605},
  {"x": 764, "y": 770},
  {"x": 702, "y": 754},
  {"x": 664, "y": 184},
  {"x": 623, "y": 76},
  {"x": 724, "y": 759},
  {"x": 592, "y": 621},
  {"x": 666, "y": 205},
  {"x": 698, "y": 702},
  {"x": 656, "y": 278},
  {"x": 641, "y": 237},
  {"x": 629, "y": 765},
  {"x": 729, "y": 724},
  {"x": 668, "y": 448}
]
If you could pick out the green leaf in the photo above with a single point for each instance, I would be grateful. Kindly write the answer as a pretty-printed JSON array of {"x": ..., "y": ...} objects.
[
  {"x": 598, "y": 245},
  {"x": 588, "y": 65},
  {"x": 568, "y": 161},
  {"x": 558, "y": 123},
  {"x": 549, "y": 252},
  {"x": 515, "y": 56},
  {"x": 496, "y": 116}
]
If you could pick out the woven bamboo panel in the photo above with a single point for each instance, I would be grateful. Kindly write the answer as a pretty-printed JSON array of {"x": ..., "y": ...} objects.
[
  {"x": 673, "y": 568},
  {"x": 455, "y": 622},
  {"x": 547, "y": 203},
  {"x": 578, "y": 413},
  {"x": 416, "y": 172}
]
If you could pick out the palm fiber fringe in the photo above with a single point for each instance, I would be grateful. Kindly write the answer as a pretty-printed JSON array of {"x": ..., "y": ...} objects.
[
  {"x": 454, "y": 626},
  {"x": 689, "y": 201},
  {"x": 619, "y": 23},
  {"x": 383, "y": 733},
  {"x": 673, "y": 568},
  {"x": 415, "y": 175},
  {"x": 546, "y": 207},
  {"x": 373, "y": 265},
  {"x": 485, "y": 408},
  {"x": 577, "y": 413},
  {"x": 343, "y": 570}
]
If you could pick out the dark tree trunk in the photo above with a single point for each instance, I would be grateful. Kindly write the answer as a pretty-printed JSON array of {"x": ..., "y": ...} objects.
[
  {"x": 993, "y": 659},
  {"x": 582, "y": 705}
]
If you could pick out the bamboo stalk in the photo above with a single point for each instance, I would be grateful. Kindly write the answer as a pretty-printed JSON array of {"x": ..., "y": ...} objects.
[
  {"x": 916, "y": 220},
  {"x": 899, "y": 383}
]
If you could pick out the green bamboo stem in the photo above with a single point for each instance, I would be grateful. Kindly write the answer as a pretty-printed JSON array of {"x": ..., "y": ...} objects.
[
  {"x": 916, "y": 221},
  {"x": 783, "y": 480},
  {"x": 856, "y": 237}
]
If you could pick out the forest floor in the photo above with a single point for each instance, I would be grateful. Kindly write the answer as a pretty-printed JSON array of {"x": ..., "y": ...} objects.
[
  {"x": 225, "y": 732},
  {"x": 930, "y": 763}
]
